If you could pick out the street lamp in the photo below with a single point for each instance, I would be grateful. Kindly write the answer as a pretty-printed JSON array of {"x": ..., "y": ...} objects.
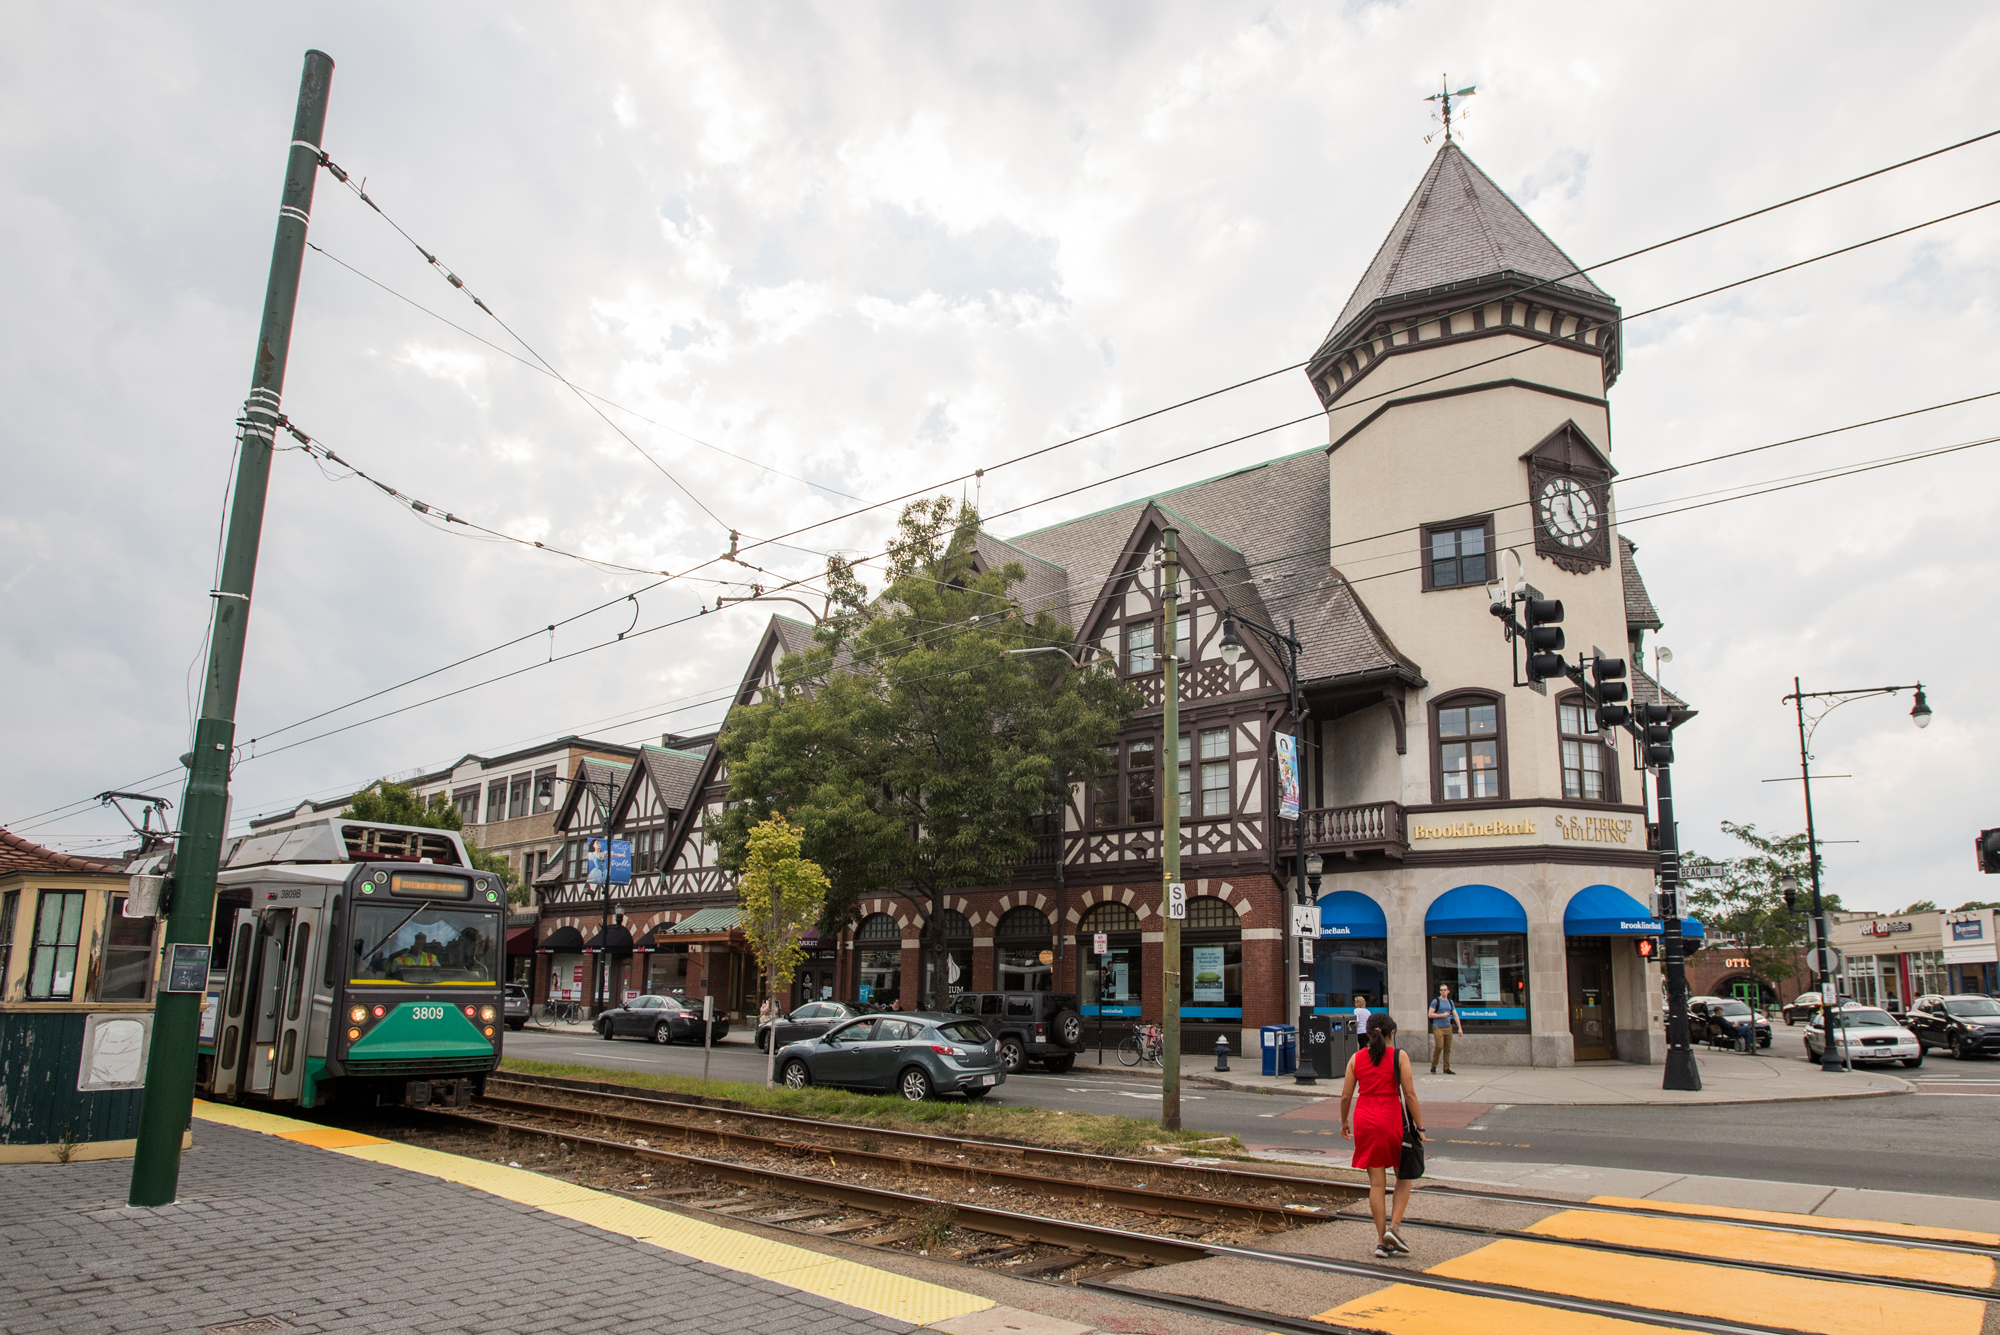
[{"x": 1920, "y": 714}]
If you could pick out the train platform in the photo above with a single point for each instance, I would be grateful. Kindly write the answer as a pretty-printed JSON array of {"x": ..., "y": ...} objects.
[{"x": 287, "y": 1225}]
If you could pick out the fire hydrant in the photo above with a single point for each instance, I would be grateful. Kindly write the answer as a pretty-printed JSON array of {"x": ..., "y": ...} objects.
[{"x": 1221, "y": 1053}]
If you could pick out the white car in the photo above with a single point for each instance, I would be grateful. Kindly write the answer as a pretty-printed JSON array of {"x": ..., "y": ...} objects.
[{"x": 1864, "y": 1034}]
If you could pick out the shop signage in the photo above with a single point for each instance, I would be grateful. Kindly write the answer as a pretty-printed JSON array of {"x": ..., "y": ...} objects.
[
  {"x": 1973, "y": 929},
  {"x": 1594, "y": 829},
  {"x": 1736, "y": 962},
  {"x": 1208, "y": 979},
  {"x": 1881, "y": 927},
  {"x": 1473, "y": 830}
]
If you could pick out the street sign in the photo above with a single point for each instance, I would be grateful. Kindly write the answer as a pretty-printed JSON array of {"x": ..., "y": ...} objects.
[
  {"x": 1305, "y": 995},
  {"x": 1305, "y": 920},
  {"x": 187, "y": 969},
  {"x": 1176, "y": 899},
  {"x": 1839, "y": 961},
  {"x": 1100, "y": 944},
  {"x": 1306, "y": 951},
  {"x": 1703, "y": 871}
]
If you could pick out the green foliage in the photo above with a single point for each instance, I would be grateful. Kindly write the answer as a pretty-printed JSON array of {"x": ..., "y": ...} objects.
[
  {"x": 397, "y": 804},
  {"x": 1921, "y": 906},
  {"x": 781, "y": 895},
  {"x": 908, "y": 744},
  {"x": 1974, "y": 905},
  {"x": 1747, "y": 902}
]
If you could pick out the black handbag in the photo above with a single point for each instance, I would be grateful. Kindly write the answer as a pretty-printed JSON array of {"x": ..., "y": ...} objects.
[{"x": 1411, "y": 1165}]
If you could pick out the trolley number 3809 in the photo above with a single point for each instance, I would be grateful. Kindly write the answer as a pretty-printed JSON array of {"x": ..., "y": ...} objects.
[{"x": 427, "y": 1012}]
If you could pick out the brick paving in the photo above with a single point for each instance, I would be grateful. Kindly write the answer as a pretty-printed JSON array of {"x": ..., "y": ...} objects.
[{"x": 329, "y": 1243}]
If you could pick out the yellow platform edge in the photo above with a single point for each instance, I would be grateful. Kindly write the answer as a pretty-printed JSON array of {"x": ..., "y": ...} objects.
[{"x": 868, "y": 1288}]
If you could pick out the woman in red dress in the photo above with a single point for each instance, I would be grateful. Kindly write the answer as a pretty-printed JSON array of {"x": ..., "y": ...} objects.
[{"x": 1381, "y": 1072}]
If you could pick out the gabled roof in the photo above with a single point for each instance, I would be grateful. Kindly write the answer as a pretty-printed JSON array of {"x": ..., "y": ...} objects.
[
  {"x": 673, "y": 775},
  {"x": 595, "y": 775},
  {"x": 1639, "y": 611},
  {"x": 20, "y": 855},
  {"x": 1459, "y": 226},
  {"x": 1259, "y": 532}
]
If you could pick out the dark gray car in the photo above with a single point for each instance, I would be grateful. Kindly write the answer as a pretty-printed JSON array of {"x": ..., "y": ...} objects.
[
  {"x": 809, "y": 1021},
  {"x": 515, "y": 1010},
  {"x": 662, "y": 1019},
  {"x": 917, "y": 1054}
]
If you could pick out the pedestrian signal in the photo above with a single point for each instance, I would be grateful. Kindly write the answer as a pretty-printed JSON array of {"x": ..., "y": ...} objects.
[{"x": 1647, "y": 948}]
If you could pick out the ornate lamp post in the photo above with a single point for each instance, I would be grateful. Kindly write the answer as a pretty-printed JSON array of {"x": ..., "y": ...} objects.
[{"x": 1920, "y": 714}]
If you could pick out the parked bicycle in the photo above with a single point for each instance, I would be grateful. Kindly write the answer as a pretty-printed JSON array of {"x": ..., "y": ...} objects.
[
  {"x": 562, "y": 1012},
  {"x": 1147, "y": 1044}
]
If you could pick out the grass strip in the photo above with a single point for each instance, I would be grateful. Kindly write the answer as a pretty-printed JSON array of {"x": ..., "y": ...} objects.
[{"x": 1093, "y": 1132}]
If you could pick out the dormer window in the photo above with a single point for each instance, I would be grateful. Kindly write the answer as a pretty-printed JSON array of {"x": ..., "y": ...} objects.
[{"x": 1458, "y": 553}]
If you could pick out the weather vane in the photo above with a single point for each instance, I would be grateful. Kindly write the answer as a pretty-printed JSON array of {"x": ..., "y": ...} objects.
[{"x": 1443, "y": 98}]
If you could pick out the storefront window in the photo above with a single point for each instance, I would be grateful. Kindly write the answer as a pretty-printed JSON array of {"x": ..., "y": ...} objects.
[
  {"x": 878, "y": 948},
  {"x": 1020, "y": 940},
  {"x": 1927, "y": 973},
  {"x": 1343, "y": 966},
  {"x": 1488, "y": 976},
  {"x": 1112, "y": 982},
  {"x": 1861, "y": 983},
  {"x": 957, "y": 955},
  {"x": 1211, "y": 962},
  {"x": 666, "y": 973}
]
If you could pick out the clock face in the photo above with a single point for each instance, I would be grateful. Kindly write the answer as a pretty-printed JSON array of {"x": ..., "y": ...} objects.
[{"x": 1568, "y": 512}]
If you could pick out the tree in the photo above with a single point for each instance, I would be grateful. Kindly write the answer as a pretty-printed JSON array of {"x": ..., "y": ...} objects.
[
  {"x": 1921, "y": 906},
  {"x": 398, "y": 804},
  {"x": 1747, "y": 901},
  {"x": 909, "y": 744},
  {"x": 781, "y": 895},
  {"x": 1974, "y": 905}
]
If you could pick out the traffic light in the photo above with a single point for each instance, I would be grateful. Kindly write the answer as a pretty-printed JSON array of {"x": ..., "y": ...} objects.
[
  {"x": 1545, "y": 637},
  {"x": 1659, "y": 723},
  {"x": 1989, "y": 851},
  {"x": 1608, "y": 685}
]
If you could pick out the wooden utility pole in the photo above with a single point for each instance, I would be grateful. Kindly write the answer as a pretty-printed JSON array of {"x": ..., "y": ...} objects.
[{"x": 168, "y": 1101}]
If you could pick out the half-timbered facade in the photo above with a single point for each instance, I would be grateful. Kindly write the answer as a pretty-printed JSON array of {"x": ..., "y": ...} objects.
[{"x": 1474, "y": 833}]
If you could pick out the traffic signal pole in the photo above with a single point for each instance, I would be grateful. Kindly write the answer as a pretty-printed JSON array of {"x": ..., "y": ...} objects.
[
  {"x": 168, "y": 1099},
  {"x": 1682, "y": 1072}
]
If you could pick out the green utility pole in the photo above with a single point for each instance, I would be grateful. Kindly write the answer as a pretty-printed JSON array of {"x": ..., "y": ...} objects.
[
  {"x": 1170, "y": 844},
  {"x": 168, "y": 1100}
]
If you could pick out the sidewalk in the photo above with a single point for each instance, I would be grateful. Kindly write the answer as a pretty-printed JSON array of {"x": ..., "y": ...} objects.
[{"x": 1726, "y": 1077}]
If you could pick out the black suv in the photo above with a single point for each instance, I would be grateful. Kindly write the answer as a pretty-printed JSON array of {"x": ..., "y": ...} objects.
[
  {"x": 1031, "y": 1026},
  {"x": 1965, "y": 1025}
]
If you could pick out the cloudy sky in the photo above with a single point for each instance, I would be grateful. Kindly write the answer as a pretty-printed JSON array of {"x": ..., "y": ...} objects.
[{"x": 823, "y": 255}]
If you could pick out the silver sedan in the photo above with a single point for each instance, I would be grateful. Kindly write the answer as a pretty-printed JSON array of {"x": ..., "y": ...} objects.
[{"x": 1864, "y": 1034}]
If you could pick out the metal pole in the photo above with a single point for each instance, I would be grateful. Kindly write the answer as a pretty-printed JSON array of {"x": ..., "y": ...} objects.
[
  {"x": 1170, "y": 846},
  {"x": 168, "y": 1100},
  {"x": 604, "y": 927},
  {"x": 1682, "y": 1072},
  {"x": 1827, "y": 1061},
  {"x": 1294, "y": 943}
]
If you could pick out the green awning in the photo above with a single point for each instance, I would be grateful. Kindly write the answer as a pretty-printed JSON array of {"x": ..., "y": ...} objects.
[{"x": 708, "y": 920}]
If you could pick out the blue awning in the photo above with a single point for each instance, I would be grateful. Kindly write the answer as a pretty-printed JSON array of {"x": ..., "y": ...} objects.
[
  {"x": 1474, "y": 910},
  {"x": 1605, "y": 910},
  {"x": 1692, "y": 930},
  {"x": 1351, "y": 914}
]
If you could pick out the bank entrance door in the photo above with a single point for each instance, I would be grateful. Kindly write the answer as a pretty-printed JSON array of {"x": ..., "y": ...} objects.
[{"x": 1590, "y": 998}]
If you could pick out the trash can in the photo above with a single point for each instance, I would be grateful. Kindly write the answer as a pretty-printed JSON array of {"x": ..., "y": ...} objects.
[
  {"x": 1273, "y": 1047},
  {"x": 1288, "y": 1059},
  {"x": 1320, "y": 1057}
]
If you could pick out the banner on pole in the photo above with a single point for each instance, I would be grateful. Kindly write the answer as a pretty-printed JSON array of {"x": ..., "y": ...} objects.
[{"x": 1288, "y": 777}]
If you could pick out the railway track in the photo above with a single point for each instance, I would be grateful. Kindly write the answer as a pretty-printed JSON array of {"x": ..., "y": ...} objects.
[{"x": 1033, "y": 1245}]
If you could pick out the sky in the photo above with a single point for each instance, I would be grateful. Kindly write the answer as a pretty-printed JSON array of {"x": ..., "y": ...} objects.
[{"x": 821, "y": 256}]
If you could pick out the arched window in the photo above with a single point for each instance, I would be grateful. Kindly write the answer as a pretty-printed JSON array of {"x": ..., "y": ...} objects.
[
  {"x": 956, "y": 928},
  {"x": 1211, "y": 973},
  {"x": 1021, "y": 940},
  {"x": 1468, "y": 747},
  {"x": 1111, "y": 917},
  {"x": 957, "y": 934},
  {"x": 878, "y": 958},
  {"x": 1589, "y": 767},
  {"x": 878, "y": 927},
  {"x": 1210, "y": 912}
]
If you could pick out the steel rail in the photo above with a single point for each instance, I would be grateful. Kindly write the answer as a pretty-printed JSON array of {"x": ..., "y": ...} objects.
[
  {"x": 1763, "y": 1225},
  {"x": 1139, "y": 1199},
  {"x": 1192, "y": 1173},
  {"x": 1096, "y": 1238}
]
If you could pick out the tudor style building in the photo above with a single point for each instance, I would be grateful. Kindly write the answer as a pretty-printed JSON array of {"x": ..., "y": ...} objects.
[{"x": 1474, "y": 832}]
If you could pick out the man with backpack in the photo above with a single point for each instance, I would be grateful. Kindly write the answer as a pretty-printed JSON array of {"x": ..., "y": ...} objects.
[{"x": 1444, "y": 1023}]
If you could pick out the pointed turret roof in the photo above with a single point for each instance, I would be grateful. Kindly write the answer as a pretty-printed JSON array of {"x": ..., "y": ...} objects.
[{"x": 1458, "y": 226}]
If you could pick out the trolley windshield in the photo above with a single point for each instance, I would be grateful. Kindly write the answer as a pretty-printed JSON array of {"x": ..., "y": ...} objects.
[{"x": 424, "y": 943}]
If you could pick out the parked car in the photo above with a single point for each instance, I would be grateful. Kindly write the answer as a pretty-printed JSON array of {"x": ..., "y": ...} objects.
[
  {"x": 515, "y": 1008},
  {"x": 1964, "y": 1025},
  {"x": 1721, "y": 1020},
  {"x": 1805, "y": 1005},
  {"x": 1031, "y": 1026},
  {"x": 810, "y": 1021},
  {"x": 917, "y": 1054},
  {"x": 661, "y": 1019},
  {"x": 1866, "y": 1034}
]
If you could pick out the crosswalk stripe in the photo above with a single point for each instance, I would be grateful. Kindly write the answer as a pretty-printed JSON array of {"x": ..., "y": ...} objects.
[
  {"x": 1402, "y": 1309},
  {"x": 1701, "y": 1238},
  {"x": 1914, "y": 1232},
  {"x": 1820, "y": 1307}
]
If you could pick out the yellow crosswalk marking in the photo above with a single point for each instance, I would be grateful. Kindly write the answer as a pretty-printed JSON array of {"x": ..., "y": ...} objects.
[
  {"x": 1919, "y": 1231},
  {"x": 1822, "y": 1307},
  {"x": 1403, "y": 1309},
  {"x": 1839, "y": 1255}
]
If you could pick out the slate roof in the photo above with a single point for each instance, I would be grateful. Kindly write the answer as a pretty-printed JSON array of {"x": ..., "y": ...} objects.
[
  {"x": 21, "y": 855},
  {"x": 1639, "y": 610},
  {"x": 1261, "y": 534},
  {"x": 1646, "y": 691},
  {"x": 1458, "y": 226},
  {"x": 674, "y": 773}
]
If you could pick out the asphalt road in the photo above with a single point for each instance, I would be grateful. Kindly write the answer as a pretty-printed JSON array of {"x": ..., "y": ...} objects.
[{"x": 1940, "y": 1140}]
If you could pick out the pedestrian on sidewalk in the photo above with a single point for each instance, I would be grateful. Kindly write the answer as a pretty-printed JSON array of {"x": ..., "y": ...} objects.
[
  {"x": 1444, "y": 1023},
  {"x": 1375, "y": 1125}
]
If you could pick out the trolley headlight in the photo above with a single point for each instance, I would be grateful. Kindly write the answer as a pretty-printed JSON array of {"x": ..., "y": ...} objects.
[
  {"x": 486, "y": 1014},
  {"x": 353, "y": 1034},
  {"x": 358, "y": 1014}
]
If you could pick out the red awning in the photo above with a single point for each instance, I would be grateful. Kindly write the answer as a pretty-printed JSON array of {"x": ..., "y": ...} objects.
[{"x": 521, "y": 941}]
